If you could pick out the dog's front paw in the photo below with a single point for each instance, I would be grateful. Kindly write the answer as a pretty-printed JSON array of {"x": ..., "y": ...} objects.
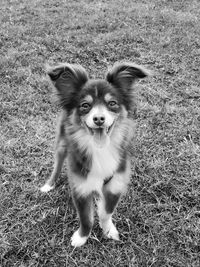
[
  {"x": 46, "y": 188},
  {"x": 110, "y": 231},
  {"x": 77, "y": 240},
  {"x": 113, "y": 233}
]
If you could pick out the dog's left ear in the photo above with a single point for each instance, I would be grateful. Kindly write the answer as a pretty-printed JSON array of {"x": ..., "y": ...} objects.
[{"x": 123, "y": 75}]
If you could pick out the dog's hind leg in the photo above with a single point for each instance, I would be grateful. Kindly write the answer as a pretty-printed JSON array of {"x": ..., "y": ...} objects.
[{"x": 60, "y": 155}]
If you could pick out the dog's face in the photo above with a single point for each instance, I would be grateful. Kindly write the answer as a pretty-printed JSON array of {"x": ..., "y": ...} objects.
[
  {"x": 99, "y": 109},
  {"x": 96, "y": 106}
]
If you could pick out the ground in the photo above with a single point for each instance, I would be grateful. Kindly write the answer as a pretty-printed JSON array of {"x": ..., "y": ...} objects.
[{"x": 159, "y": 218}]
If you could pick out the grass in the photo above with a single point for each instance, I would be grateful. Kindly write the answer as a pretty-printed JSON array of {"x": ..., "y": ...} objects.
[{"x": 159, "y": 218}]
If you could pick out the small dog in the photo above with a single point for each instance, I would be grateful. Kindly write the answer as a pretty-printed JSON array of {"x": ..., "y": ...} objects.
[{"x": 95, "y": 132}]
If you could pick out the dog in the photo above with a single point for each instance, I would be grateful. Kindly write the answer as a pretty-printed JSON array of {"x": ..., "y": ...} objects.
[{"x": 95, "y": 133}]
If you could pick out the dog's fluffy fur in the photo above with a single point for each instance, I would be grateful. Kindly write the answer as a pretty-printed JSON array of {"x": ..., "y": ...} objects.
[{"x": 95, "y": 132}]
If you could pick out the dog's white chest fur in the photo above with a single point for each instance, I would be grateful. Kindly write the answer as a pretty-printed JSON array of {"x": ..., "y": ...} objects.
[{"x": 104, "y": 163}]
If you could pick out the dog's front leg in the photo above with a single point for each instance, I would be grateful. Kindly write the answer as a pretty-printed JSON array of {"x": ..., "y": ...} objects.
[
  {"x": 84, "y": 207},
  {"x": 60, "y": 154},
  {"x": 106, "y": 205},
  {"x": 111, "y": 193}
]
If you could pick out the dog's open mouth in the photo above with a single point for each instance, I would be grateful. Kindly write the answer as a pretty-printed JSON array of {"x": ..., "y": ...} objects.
[
  {"x": 100, "y": 134},
  {"x": 100, "y": 130}
]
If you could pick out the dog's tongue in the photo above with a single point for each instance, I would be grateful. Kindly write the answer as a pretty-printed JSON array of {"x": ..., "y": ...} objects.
[{"x": 100, "y": 137}]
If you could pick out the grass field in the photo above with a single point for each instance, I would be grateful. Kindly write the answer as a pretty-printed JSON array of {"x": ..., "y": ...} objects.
[{"x": 159, "y": 218}]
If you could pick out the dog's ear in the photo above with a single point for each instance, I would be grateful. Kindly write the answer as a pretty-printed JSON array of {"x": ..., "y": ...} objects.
[
  {"x": 69, "y": 75},
  {"x": 68, "y": 80},
  {"x": 123, "y": 75}
]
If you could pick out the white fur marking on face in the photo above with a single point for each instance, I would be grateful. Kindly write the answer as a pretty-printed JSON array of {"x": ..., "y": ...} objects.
[
  {"x": 77, "y": 240},
  {"x": 99, "y": 110},
  {"x": 96, "y": 91},
  {"x": 108, "y": 97},
  {"x": 88, "y": 98}
]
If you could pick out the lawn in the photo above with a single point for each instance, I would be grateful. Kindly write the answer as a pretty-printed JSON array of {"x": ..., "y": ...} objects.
[{"x": 159, "y": 218}]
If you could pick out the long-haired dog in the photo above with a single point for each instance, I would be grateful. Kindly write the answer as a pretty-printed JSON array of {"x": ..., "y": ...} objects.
[{"x": 95, "y": 132}]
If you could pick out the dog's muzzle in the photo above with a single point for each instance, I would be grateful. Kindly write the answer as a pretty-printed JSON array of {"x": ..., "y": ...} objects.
[{"x": 100, "y": 134}]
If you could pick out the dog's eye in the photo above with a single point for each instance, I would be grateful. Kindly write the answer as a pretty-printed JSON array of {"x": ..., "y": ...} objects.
[
  {"x": 85, "y": 106},
  {"x": 112, "y": 103}
]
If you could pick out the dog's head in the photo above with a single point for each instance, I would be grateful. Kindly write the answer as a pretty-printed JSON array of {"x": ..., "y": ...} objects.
[{"x": 96, "y": 106}]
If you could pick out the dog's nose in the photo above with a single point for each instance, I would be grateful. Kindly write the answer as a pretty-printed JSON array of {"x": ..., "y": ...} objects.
[{"x": 99, "y": 120}]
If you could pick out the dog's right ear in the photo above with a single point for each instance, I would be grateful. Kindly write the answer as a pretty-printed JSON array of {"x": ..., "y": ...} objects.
[
  {"x": 68, "y": 80},
  {"x": 66, "y": 75}
]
